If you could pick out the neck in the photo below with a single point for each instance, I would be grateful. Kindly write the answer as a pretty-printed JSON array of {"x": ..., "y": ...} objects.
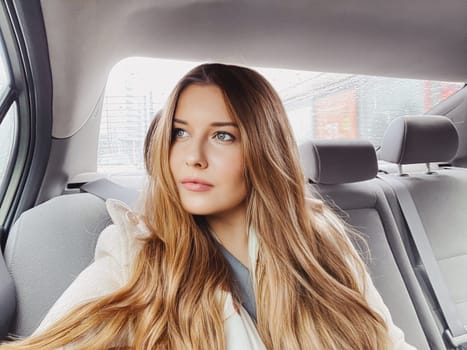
[{"x": 231, "y": 230}]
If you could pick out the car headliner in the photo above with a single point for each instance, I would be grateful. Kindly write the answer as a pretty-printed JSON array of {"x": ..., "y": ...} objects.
[{"x": 414, "y": 39}]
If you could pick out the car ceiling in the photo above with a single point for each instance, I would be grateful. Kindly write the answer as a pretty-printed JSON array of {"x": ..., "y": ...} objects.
[{"x": 424, "y": 39}]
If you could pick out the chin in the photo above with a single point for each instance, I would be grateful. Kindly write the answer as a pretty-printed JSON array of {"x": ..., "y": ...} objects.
[
  {"x": 199, "y": 212},
  {"x": 199, "y": 209}
]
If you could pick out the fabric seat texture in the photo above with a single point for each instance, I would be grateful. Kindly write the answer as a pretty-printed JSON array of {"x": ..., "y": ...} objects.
[
  {"x": 440, "y": 197},
  {"x": 343, "y": 174},
  {"x": 47, "y": 248}
]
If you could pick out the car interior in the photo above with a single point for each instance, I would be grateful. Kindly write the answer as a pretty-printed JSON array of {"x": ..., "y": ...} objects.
[{"x": 406, "y": 196}]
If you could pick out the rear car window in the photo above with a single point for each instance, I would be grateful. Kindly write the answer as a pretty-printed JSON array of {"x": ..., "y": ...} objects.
[
  {"x": 7, "y": 140},
  {"x": 8, "y": 122},
  {"x": 319, "y": 105}
]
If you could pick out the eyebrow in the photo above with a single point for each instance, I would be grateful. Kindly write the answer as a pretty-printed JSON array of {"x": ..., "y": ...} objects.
[{"x": 212, "y": 124}]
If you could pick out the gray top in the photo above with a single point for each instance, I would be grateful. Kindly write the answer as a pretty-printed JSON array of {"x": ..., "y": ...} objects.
[{"x": 244, "y": 283}]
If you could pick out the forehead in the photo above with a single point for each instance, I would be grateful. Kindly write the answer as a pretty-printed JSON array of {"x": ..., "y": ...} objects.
[{"x": 202, "y": 102}]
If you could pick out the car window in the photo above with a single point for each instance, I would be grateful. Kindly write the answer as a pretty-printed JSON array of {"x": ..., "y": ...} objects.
[
  {"x": 7, "y": 139},
  {"x": 4, "y": 76},
  {"x": 319, "y": 105},
  {"x": 8, "y": 121}
]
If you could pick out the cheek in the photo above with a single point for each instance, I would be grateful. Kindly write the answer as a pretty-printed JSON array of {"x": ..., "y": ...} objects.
[
  {"x": 230, "y": 166},
  {"x": 238, "y": 174},
  {"x": 174, "y": 161},
  {"x": 238, "y": 164}
]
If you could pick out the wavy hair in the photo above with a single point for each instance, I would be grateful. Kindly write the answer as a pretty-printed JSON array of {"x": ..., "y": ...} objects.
[{"x": 310, "y": 290}]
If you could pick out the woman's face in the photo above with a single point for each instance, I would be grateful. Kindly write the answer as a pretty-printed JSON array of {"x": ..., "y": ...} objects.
[{"x": 206, "y": 157}]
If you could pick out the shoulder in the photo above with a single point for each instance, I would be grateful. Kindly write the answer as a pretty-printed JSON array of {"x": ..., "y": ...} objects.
[
  {"x": 115, "y": 252},
  {"x": 122, "y": 215},
  {"x": 122, "y": 240}
]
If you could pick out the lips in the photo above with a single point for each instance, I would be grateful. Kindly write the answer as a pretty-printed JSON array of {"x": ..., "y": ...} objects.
[{"x": 196, "y": 185}]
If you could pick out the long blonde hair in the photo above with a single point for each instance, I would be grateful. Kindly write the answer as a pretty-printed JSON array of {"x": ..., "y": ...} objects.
[{"x": 309, "y": 291}]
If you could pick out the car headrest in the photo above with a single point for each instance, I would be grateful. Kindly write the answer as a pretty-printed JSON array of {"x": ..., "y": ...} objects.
[
  {"x": 333, "y": 162},
  {"x": 419, "y": 139}
]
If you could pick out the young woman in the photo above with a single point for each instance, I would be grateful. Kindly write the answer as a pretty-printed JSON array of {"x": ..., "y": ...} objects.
[{"x": 226, "y": 199}]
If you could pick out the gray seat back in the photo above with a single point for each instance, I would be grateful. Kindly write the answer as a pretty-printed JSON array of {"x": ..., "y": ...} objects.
[
  {"x": 47, "y": 248},
  {"x": 440, "y": 197},
  {"x": 357, "y": 196}
]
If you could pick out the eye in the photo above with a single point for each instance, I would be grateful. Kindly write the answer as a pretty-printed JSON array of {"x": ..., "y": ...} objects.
[
  {"x": 224, "y": 136},
  {"x": 179, "y": 133}
]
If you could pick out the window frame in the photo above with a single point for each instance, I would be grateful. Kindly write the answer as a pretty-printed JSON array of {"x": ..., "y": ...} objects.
[{"x": 26, "y": 55}]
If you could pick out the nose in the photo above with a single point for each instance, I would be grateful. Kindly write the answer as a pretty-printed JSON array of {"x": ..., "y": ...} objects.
[{"x": 196, "y": 156}]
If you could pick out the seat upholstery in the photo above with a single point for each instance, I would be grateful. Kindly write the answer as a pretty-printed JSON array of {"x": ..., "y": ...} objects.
[
  {"x": 440, "y": 197},
  {"x": 419, "y": 139},
  {"x": 352, "y": 161},
  {"x": 364, "y": 206},
  {"x": 47, "y": 248}
]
